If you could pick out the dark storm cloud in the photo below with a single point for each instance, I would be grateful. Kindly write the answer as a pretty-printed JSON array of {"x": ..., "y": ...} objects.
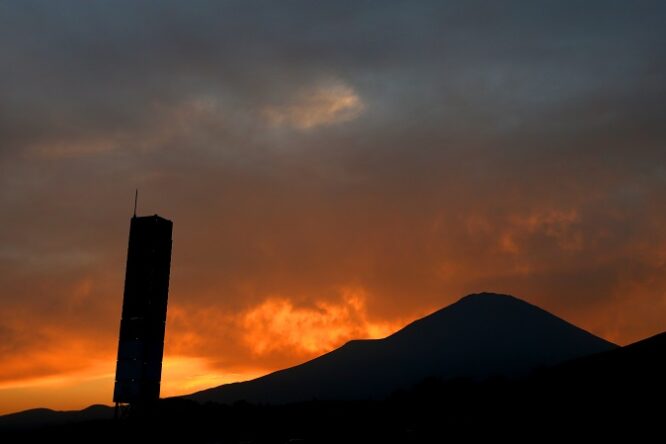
[{"x": 408, "y": 152}]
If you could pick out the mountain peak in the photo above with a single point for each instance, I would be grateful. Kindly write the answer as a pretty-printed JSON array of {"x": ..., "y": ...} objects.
[
  {"x": 483, "y": 313},
  {"x": 489, "y": 296},
  {"x": 481, "y": 335}
]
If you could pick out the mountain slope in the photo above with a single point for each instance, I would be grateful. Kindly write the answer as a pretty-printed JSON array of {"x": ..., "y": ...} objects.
[
  {"x": 479, "y": 336},
  {"x": 623, "y": 371}
]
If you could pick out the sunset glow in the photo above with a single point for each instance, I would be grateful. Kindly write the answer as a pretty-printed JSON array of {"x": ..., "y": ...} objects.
[{"x": 333, "y": 171}]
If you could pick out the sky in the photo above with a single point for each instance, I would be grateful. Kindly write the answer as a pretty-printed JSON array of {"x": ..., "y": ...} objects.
[{"x": 334, "y": 170}]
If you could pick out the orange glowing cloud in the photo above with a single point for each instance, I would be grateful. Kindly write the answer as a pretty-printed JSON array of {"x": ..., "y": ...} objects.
[
  {"x": 277, "y": 325},
  {"x": 185, "y": 374},
  {"x": 273, "y": 333},
  {"x": 43, "y": 352}
]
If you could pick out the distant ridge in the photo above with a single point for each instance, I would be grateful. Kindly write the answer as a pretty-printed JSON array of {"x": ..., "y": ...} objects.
[
  {"x": 46, "y": 417},
  {"x": 480, "y": 336}
]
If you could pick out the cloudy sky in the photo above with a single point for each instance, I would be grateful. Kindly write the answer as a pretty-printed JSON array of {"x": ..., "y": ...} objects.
[{"x": 334, "y": 170}]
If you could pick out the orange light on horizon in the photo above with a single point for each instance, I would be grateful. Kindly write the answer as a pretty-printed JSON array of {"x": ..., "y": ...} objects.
[{"x": 94, "y": 385}]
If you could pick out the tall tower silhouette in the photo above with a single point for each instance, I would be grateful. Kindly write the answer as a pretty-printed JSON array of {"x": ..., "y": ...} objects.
[{"x": 141, "y": 343}]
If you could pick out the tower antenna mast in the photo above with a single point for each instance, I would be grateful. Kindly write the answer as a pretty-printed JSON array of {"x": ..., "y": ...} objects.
[{"x": 136, "y": 198}]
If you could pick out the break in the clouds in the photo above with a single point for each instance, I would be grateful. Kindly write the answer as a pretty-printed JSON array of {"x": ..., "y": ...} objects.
[
  {"x": 333, "y": 170},
  {"x": 316, "y": 106}
]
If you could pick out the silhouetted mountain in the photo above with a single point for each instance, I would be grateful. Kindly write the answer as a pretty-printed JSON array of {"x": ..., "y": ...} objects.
[
  {"x": 480, "y": 336},
  {"x": 47, "y": 417}
]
